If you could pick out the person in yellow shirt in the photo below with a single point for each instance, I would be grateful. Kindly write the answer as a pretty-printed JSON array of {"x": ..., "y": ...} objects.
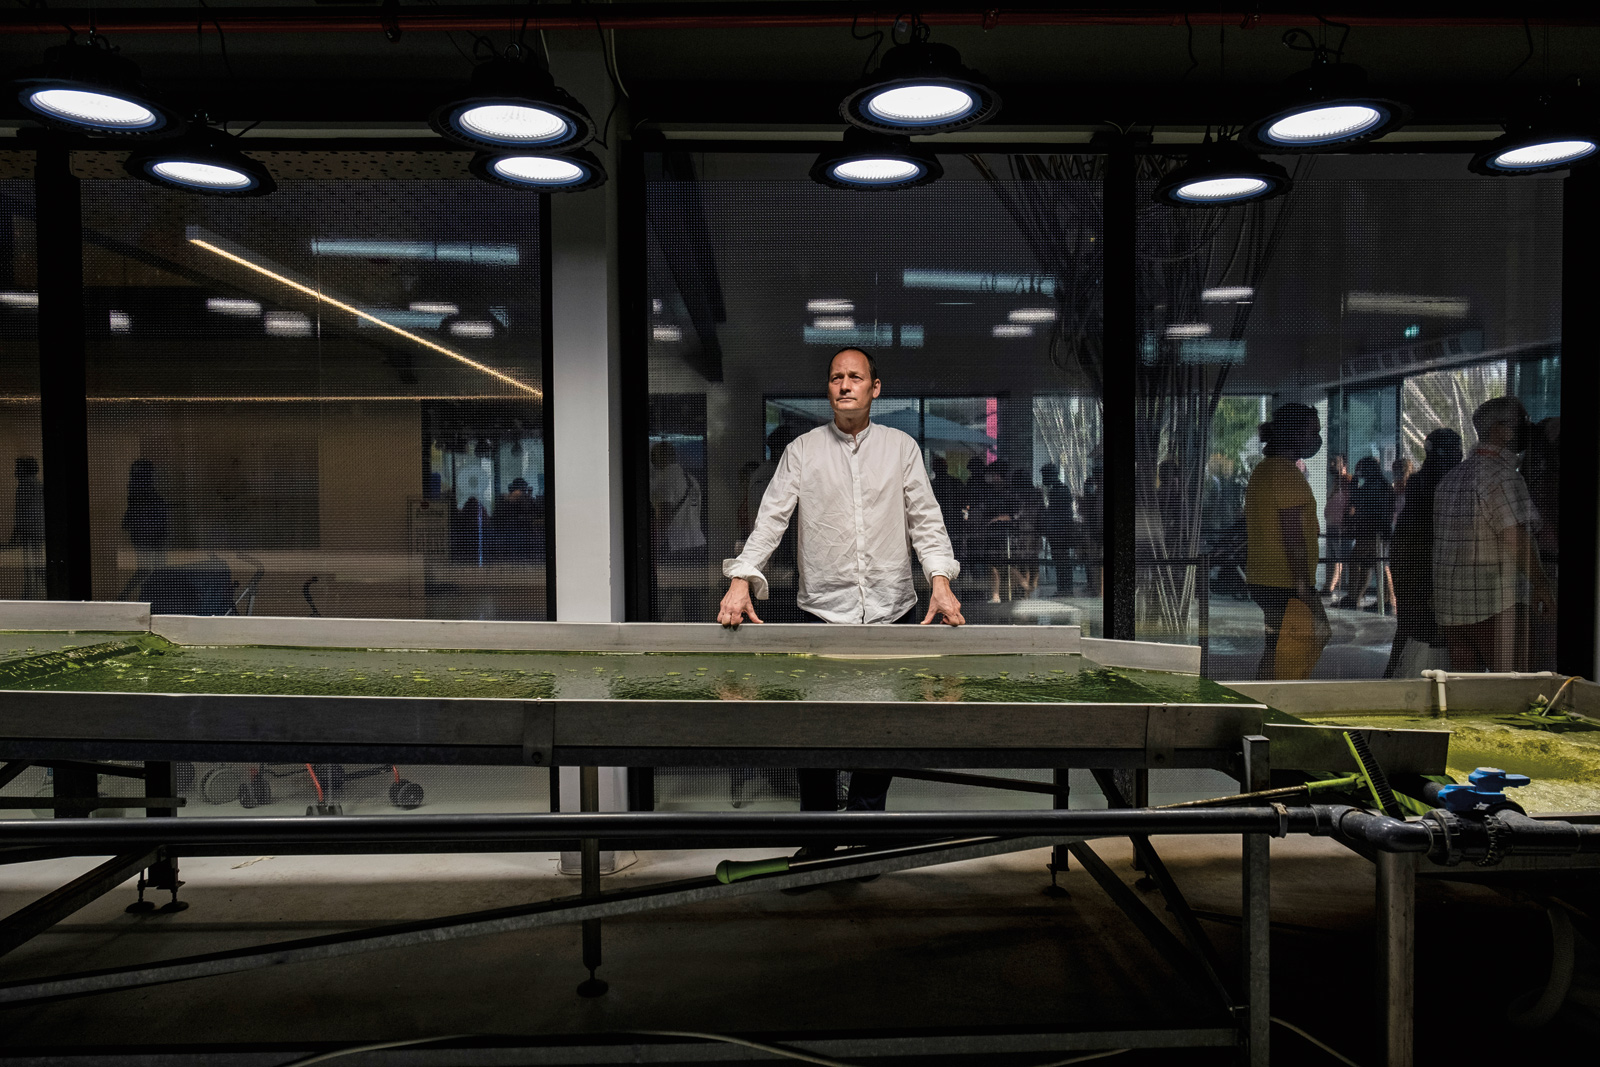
[{"x": 1281, "y": 556}]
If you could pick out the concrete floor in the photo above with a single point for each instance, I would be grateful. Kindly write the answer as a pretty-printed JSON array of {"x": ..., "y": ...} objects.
[{"x": 976, "y": 944}]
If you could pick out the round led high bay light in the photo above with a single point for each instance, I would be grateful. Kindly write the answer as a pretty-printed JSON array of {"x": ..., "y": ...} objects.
[
  {"x": 1553, "y": 136},
  {"x": 1325, "y": 105},
  {"x": 569, "y": 172},
  {"x": 87, "y": 88},
  {"x": 1219, "y": 175},
  {"x": 205, "y": 161},
  {"x": 513, "y": 104},
  {"x": 921, "y": 88},
  {"x": 875, "y": 161}
]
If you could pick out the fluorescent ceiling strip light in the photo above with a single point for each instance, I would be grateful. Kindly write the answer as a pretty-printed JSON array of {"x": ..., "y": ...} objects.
[
  {"x": 366, "y": 316},
  {"x": 971, "y": 282},
  {"x": 1444, "y": 307},
  {"x": 438, "y": 251}
]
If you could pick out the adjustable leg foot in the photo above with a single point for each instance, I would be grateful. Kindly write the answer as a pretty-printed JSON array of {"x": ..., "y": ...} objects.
[
  {"x": 1054, "y": 890},
  {"x": 592, "y": 986}
]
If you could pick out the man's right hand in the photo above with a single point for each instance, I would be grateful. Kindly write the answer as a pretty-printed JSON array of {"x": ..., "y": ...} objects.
[{"x": 736, "y": 605}]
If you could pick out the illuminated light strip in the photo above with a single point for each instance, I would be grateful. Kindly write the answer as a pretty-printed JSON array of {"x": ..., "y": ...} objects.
[
  {"x": 265, "y": 399},
  {"x": 367, "y": 316}
]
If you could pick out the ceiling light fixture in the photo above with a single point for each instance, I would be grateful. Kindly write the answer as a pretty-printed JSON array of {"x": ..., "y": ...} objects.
[
  {"x": 875, "y": 161},
  {"x": 1228, "y": 294},
  {"x": 837, "y": 307},
  {"x": 89, "y": 88},
  {"x": 1221, "y": 174},
  {"x": 204, "y": 161},
  {"x": 570, "y": 172},
  {"x": 512, "y": 102},
  {"x": 921, "y": 88},
  {"x": 1033, "y": 315},
  {"x": 1326, "y": 104},
  {"x": 1551, "y": 135}
]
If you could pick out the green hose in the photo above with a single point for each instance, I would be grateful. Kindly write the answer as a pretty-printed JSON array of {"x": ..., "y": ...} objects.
[{"x": 730, "y": 871}]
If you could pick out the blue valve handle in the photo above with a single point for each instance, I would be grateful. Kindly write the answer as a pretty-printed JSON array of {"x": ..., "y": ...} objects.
[{"x": 1487, "y": 788}]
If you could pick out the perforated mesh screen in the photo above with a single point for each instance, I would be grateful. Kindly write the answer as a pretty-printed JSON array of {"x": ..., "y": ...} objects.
[
  {"x": 979, "y": 296},
  {"x": 22, "y": 528},
  {"x": 324, "y": 401},
  {"x": 1392, "y": 296}
]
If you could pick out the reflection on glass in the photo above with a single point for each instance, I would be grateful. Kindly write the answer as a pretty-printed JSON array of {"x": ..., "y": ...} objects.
[
  {"x": 325, "y": 402},
  {"x": 22, "y": 568},
  {"x": 1300, "y": 300},
  {"x": 979, "y": 298}
]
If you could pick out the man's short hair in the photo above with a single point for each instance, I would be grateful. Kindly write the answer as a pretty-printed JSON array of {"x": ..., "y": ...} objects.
[
  {"x": 1492, "y": 413},
  {"x": 872, "y": 364}
]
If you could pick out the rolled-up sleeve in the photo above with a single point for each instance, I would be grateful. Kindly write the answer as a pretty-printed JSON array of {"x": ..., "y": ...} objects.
[
  {"x": 777, "y": 506},
  {"x": 925, "y": 522}
]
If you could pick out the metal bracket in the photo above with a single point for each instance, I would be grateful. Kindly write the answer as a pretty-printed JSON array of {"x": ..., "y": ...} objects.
[
  {"x": 1160, "y": 736},
  {"x": 538, "y": 733}
]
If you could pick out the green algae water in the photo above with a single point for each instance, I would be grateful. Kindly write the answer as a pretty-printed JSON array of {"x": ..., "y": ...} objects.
[
  {"x": 147, "y": 664},
  {"x": 1564, "y": 765}
]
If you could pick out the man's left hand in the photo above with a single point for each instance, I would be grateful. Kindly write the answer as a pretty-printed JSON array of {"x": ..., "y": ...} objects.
[{"x": 943, "y": 602}]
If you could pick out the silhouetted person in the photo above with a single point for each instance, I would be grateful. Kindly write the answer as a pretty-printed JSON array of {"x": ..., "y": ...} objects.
[
  {"x": 1091, "y": 511},
  {"x": 1372, "y": 508},
  {"x": 679, "y": 539},
  {"x": 1411, "y": 560},
  {"x": 1025, "y": 526},
  {"x": 146, "y": 522},
  {"x": 1487, "y": 579},
  {"x": 1335, "y": 517},
  {"x": 1281, "y": 560},
  {"x": 518, "y": 523},
  {"x": 1541, "y": 469},
  {"x": 27, "y": 526}
]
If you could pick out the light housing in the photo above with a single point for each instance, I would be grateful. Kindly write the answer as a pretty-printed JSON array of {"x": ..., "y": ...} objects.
[
  {"x": 203, "y": 161},
  {"x": 921, "y": 88},
  {"x": 1323, "y": 106},
  {"x": 1222, "y": 174},
  {"x": 563, "y": 172},
  {"x": 514, "y": 104},
  {"x": 875, "y": 161},
  {"x": 1551, "y": 135},
  {"x": 88, "y": 88}
]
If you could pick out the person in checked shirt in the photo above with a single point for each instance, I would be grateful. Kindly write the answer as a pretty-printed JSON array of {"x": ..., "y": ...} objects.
[
  {"x": 861, "y": 496},
  {"x": 1486, "y": 574}
]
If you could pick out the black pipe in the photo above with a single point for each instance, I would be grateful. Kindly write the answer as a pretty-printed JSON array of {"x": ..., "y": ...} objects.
[
  {"x": 1382, "y": 832},
  {"x": 90, "y": 835}
]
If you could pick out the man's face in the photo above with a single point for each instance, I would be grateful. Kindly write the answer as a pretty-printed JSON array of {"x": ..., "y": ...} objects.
[{"x": 851, "y": 388}]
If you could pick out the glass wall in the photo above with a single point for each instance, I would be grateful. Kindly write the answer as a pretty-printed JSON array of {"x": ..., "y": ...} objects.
[
  {"x": 979, "y": 297},
  {"x": 22, "y": 575},
  {"x": 325, "y": 401},
  {"x": 1392, "y": 296}
]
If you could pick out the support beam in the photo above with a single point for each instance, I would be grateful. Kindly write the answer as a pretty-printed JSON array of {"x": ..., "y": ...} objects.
[
  {"x": 1257, "y": 909},
  {"x": 36, "y": 918},
  {"x": 63, "y": 376},
  {"x": 1118, "y": 392},
  {"x": 1578, "y": 536},
  {"x": 585, "y": 387},
  {"x": 1397, "y": 950}
]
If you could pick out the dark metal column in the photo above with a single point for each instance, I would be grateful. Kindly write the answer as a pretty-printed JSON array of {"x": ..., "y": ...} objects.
[
  {"x": 1579, "y": 535},
  {"x": 1257, "y": 913},
  {"x": 1397, "y": 942},
  {"x": 547, "y": 419},
  {"x": 63, "y": 377},
  {"x": 589, "y": 800},
  {"x": 1120, "y": 382}
]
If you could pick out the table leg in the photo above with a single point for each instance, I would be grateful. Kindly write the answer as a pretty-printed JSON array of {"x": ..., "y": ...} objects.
[
  {"x": 1059, "y": 854},
  {"x": 1397, "y": 943},
  {"x": 589, "y": 800},
  {"x": 1257, "y": 908}
]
